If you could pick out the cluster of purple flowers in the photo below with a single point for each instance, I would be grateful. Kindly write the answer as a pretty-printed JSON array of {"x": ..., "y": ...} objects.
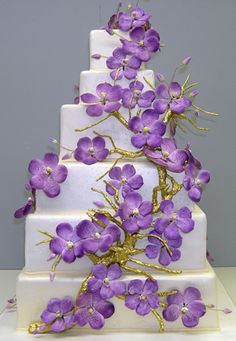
[
  {"x": 168, "y": 226},
  {"x": 93, "y": 307},
  {"x": 86, "y": 237}
]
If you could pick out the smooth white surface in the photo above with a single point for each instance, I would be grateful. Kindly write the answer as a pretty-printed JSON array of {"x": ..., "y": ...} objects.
[
  {"x": 76, "y": 194},
  {"x": 227, "y": 330},
  {"x": 75, "y": 116},
  {"x": 193, "y": 249},
  {"x": 64, "y": 285},
  {"x": 104, "y": 44}
]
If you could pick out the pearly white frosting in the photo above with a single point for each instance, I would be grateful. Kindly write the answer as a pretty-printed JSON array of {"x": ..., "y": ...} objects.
[
  {"x": 76, "y": 194},
  {"x": 193, "y": 249},
  {"x": 35, "y": 290}
]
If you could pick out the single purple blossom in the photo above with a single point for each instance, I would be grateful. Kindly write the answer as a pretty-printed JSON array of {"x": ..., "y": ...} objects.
[
  {"x": 59, "y": 314},
  {"x": 192, "y": 159},
  {"x": 141, "y": 296},
  {"x": 171, "y": 222},
  {"x": 147, "y": 128},
  {"x": 187, "y": 305},
  {"x": 105, "y": 280},
  {"x": 195, "y": 181},
  {"x": 135, "y": 17},
  {"x": 157, "y": 249},
  {"x": 124, "y": 178},
  {"x": 186, "y": 60},
  {"x": 135, "y": 213},
  {"x": 67, "y": 243},
  {"x": 170, "y": 97},
  {"x": 107, "y": 99},
  {"x": 123, "y": 64},
  {"x": 25, "y": 210},
  {"x": 95, "y": 238},
  {"x": 93, "y": 309},
  {"x": 90, "y": 151},
  {"x": 47, "y": 174},
  {"x": 160, "y": 77},
  {"x": 170, "y": 156},
  {"x": 142, "y": 43},
  {"x": 135, "y": 96}
]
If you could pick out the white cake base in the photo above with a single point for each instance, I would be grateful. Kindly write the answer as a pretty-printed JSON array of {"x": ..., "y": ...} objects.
[
  {"x": 76, "y": 194},
  {"x": 193, "y": 249},
  {"x": 34, "y": 291}
]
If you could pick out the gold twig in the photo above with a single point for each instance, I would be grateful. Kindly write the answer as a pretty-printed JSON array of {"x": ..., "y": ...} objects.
[
  {"x": 137, "y": 271},
  {"x": 107, "y": 172},
  {"x": 106, "y": 197},
  {"x": 43, "y": 242},
  {"x": 116, "y": 195},
  {"x": 164, "y": 243},
  {"x": 149, "y": 83},
  {"x": 93, "y": 124},
  {"x": 166, "y": 293},
  {"x": 184, "y": 117},
  {"x": 155, "y": 267},
  {"x": 98, "y": 221},
  {"x": 120, "y": 118},
  {"x": 204, "y": 111},
  {"x": 46, "y": 233},
  {"x": 159, "y": 319}
]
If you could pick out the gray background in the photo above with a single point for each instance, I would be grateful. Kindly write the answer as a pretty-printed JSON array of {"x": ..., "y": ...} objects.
[{"x": 43, "y": 48}]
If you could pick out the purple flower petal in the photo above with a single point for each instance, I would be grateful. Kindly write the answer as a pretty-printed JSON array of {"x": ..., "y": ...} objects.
[
  {"x": 197, "y": 308},
  {"x": 50, "y": 160},
  {"x": 135, "y": 286},
  {"x": 35, "y": 167},
  {"x": 204, "y": 176},
  {"x": 58, "y": 325},
  {"x": 189, "y": 320},
  {"x": 160, "y": 105},
  {"x": 143, "y": 308},
  {"x": 85, "y": 229},
  {"x": 195, "y": 193},
  {"x": 191, "y": 294},
  {"x": 114, "y": 272},
  {"x": 152, "y": 251},
  {"x": 175, "y": 89},
  {"x": 48, "y": 316},
  {"x": 59, "y": 174},
  {"x": 54, "y": 305},
  {"x": 89, "y": 98},
  {"x": 131, "y": 302},
  {"x": 100, "y": 271},
  {"x": 172, "y": 312},
  {"x": 167, "y": 207},
  {"x": 56, "y": 245},
  {"x": 68, "y": 255},
  {"x": 65, "y": 231},
  {"x": 51, "y": 188}
]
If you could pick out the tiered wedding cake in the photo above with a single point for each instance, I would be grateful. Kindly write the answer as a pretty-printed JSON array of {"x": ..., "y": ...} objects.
[{"x": 139, "y": 236}]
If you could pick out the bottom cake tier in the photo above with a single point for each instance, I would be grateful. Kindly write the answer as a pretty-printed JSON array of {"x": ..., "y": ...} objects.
[{"x": 35, "y": 290}]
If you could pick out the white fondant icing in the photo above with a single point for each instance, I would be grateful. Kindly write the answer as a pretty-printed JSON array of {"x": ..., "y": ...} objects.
[
  {"x": 76, "y": 194},
  {"x": 193, "y": 249},
  {"x": 104, "y": 44},
  {"x": 34, "y": 291}
]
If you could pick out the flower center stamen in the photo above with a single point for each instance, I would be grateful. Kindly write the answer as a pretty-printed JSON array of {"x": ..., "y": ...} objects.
[
  {"x": 70, "y": 245},
  {"x": 58, "y": 315},
  {"x": 90, "y": 310},
  {"x": 48, "y": 170},
  {"x": 91, "y": 150},
  {"x": 143, "y": 297},
  {"x": 184, "y": 310},
  {"x": 106, "y": 280},
  {"x": 141, "y": 43},
  {"x": 166, "y": 153},
  {"x": 136, "y": 211},
  {"x": 97, "y": 235},
  {"x": 123, "y": 180},
  {"x": 145, "y": 129},
  {"x": 174, "y": 216}
]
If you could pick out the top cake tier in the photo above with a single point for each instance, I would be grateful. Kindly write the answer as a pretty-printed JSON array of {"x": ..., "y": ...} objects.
[{"x": 104, "y": 44}]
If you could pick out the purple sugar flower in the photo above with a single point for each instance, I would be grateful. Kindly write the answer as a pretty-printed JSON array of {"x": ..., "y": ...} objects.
[
  {"x": 95, "y": 238},
  {"x": 93, "y": 309},
  {"x": 123, "y": 65},
  {"x": 135, "y": 213},
  {"x": 141, "y": 296},
  {"x": 194, "y": 181},
  {"x": 47, "y": 174},
  {"x": 67, "y": 243},
  {"x": 170, "y": 222},
  {"x": 148, "y": 130},
  {"x": 156, "y": 248},
  {"x": 91, "y": 151},
  {"x": 134, "y": 96},
  {"x": 105, "y": 280},
  {"x": 107, "y": 99},
  {"x": 59, "y": 314},
  {"x": 135, "y": 17},
  {"x": 142, "y": 43},
  {"x": 25, "y": 210},
  {"x": 170, "y": 157},
  {"x": 191, "y": 159},
  {"x": 187, "y": 305},
  {"x": 171, "y": 97},
  {"x": 124, "y": 178}
]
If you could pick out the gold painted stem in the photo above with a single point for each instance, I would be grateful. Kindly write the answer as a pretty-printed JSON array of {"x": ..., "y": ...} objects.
[
  {"x": 160, "y": 320},
  {"x": 155, "y": 267}
]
